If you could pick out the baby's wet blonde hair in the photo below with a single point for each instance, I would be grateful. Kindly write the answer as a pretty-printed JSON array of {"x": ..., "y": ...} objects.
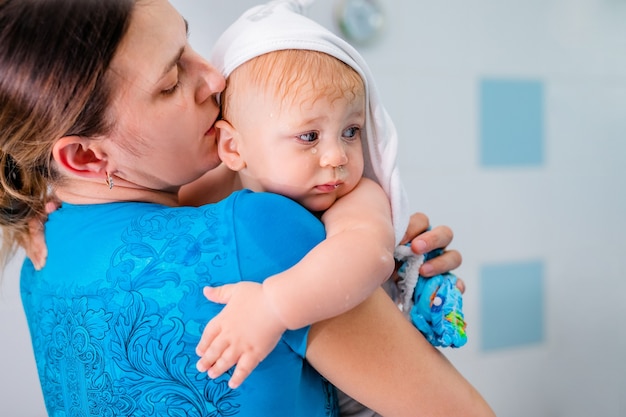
[{"x": 289, "y": 75}]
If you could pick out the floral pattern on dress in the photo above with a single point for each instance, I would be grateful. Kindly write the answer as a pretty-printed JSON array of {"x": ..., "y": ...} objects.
[
  {"x": 117, "y": 338},
  {"x": 122, "y": 319}
]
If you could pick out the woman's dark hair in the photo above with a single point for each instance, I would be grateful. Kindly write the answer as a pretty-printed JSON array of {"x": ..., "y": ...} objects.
[{"x": 54, "y": 61}]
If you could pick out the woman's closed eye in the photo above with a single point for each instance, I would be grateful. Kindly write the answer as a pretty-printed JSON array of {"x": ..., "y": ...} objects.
[
  {"x": 175, "y": 76},
  {"x": 171, "y": 90}
]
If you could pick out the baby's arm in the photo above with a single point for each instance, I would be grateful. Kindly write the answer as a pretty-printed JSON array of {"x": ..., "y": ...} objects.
[{"x": 355, "y": 258}]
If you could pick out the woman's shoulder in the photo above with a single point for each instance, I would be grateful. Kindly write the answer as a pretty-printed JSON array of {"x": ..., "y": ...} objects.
[
  {"x": 275, "y": 213},
  {"x": 246, "y": 199}
]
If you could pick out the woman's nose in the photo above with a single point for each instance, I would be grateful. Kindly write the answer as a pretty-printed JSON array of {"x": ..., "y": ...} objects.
[
  {"x": 210, "y": 82},
  {"x": 334, "y": 155}
]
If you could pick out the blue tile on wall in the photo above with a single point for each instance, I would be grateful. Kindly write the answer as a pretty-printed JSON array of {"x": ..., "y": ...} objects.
[
  {"x": 512, "y": 305},
  {"x": 511, "y": 123}
]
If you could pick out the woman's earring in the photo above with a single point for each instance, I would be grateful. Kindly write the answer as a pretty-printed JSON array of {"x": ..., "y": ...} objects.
[{"x": 109, "y": 180}]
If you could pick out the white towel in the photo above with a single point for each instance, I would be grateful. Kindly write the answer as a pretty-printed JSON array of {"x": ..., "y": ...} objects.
[{"x": 280, "y": 25}]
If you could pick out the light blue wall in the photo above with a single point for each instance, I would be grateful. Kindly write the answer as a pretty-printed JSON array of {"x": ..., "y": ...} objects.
[
  {"x": 541, "y": 228},
  {"x": 512, "y": 119}
]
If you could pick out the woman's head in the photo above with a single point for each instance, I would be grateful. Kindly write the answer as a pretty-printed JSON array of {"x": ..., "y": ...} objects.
[
  {"x": 52, "y": 83},
  {"x": 164, "y": 108},
  {"x": 93, "y": 88}
]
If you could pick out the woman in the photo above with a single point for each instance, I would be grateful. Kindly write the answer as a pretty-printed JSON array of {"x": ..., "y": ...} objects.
[{"x": 106, "y": 103}]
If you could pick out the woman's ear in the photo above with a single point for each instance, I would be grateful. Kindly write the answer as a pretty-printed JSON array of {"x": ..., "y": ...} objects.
[
  {"x": 77, "y": 156},
  {"x": 228, "y": 146}
]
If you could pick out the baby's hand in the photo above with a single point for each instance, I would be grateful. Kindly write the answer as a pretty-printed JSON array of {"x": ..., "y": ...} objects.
[{"x": 242, "y": 334}]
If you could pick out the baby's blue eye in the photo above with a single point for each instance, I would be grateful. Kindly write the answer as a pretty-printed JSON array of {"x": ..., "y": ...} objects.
[
  {"x": 308, "y": 137},
  {"x": 351, "y": 132}
]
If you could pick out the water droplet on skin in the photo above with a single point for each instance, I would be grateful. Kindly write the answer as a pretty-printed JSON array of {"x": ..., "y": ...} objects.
[{"x": 313, "y": 151}]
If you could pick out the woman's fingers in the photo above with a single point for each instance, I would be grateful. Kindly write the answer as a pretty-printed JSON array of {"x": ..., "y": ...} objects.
[
  {"x": 437, "y": 238},
  {"x": 446, "y": 262},
  {"x": 418, "y": 224}
]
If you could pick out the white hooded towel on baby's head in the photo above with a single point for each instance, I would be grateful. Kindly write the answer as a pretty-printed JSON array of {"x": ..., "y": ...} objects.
[{"x": 280, "y": 25}]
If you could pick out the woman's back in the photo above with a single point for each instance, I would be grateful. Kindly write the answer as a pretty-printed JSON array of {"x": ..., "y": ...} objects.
[{"x": 118, "y": 310}]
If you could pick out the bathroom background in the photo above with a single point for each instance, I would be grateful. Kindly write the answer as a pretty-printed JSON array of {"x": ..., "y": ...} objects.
[{"x": 512, "y": 123}]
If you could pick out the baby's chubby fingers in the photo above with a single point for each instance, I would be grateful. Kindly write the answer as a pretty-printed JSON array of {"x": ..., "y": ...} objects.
[
  {"x": 245, "y": 331},
  {"x": 211, "y": 331},
  {"x": 246, "y": 364},
  {"x": 211, "y": 355},
  {"x": 219, "y": 295},
  {"x": 227, "y": 360},
  {"x": 211, "y": 346}
]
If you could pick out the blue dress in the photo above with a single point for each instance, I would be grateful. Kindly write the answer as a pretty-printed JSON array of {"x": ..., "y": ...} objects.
[{"x": 117, "y": 311}]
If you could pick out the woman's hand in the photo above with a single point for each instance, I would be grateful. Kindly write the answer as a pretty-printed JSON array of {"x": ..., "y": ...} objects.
[{"x": 424, "y": 240}]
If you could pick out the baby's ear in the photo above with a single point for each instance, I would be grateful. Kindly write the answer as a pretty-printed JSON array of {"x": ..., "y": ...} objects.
[{"x": 228, "y": 146}]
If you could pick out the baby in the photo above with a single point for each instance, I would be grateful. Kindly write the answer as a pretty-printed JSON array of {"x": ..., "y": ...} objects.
[
  {"x": 301, "y": 118},
  {"x": 301, "y": 121}
]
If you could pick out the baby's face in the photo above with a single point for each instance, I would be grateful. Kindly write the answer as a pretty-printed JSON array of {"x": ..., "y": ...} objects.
[{"x": 307, "y": 149}]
